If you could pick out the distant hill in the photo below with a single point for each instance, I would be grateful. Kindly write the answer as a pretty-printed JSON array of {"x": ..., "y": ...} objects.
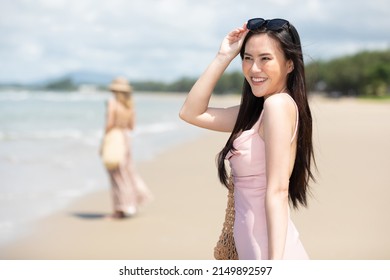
[
  {"x": 75, "y": 79},
  {"x": 366, "y": 73},
  {"x": 89, "y": 77}
]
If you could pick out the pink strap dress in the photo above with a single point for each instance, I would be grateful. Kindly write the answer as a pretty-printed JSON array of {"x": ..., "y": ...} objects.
[
  {"x": 248, "y": 166},
  {"x": 129, "y": 191}
]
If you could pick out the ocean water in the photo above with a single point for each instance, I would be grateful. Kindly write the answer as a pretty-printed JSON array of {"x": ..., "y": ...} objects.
[{"x": 49, "y": 148}]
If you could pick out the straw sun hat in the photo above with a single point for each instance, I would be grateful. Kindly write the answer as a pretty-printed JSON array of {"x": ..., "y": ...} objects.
[{"x": 120, "y": 84}]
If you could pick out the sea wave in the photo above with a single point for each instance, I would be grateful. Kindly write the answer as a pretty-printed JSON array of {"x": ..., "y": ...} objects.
[
  {"x": 20, "y": 96},
  {"x": 80, "y": 134},
  {"x": 41, "y": 135},
  {"x": 156, "y": 128}
]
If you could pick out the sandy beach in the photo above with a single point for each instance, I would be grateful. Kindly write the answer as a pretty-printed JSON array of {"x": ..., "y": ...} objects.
[{"x": 347, "y": 217}]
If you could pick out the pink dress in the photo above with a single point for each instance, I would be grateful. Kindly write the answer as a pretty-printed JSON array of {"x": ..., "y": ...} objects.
[
  {"x": 128, "y": 189},
  {"x": 250, "y": 227}
]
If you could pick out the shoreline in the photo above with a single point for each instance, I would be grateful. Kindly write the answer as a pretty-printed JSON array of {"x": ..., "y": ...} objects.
[
  {"x": 164, "y": 222},
  {"x": 346, "y": 217}
]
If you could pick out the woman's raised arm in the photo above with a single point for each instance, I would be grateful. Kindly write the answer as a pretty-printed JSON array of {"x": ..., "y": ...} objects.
[{"x": 196, "y": 108}]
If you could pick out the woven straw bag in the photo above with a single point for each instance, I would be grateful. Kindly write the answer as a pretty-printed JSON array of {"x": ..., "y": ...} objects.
[
  {"x": 226, "y": 248},
  {"x": 114, "y": 148}
]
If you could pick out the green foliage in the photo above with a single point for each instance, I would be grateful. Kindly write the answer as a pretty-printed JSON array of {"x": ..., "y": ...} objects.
[
  {"x": 64, "y": 84},
  {"x": 181, "y": 85},
  {"x": 364, "y": 74},
  {"x": 229, "y": 83},
  {"x": 149, "y": 86}
]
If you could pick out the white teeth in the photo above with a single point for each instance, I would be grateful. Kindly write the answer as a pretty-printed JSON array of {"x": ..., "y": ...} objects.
[{"x": 258, "y": 80}]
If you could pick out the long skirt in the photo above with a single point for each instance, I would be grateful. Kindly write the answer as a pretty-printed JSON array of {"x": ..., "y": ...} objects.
[{"x": 129, "y": 191}]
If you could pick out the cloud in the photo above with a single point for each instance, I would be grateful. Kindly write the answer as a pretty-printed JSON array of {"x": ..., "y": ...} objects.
[{"x": 167, "y": 39}]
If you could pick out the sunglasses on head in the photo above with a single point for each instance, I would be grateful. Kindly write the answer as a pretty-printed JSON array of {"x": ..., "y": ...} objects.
[{"x": 276, "y": 24}]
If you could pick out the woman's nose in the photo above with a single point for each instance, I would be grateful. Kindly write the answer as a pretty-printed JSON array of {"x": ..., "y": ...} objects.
[{"x": 256, "y": 67}]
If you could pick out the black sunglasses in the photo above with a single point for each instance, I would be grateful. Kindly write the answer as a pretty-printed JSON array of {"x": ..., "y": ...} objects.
[{"x": 276, "y": 24}]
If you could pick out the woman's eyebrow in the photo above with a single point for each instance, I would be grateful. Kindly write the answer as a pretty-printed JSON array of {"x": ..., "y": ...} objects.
[{"x": 261, "y": 54}]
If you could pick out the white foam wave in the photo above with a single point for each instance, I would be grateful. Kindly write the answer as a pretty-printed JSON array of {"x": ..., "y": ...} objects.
[
  {"x": 52, "y": 96},
  {"x": 89, "y": 136},
  {"x": 41, "y": 135},
  {"x": 155, "y": 128}
]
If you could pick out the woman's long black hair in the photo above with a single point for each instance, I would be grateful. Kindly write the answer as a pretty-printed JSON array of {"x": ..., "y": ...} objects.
[{"x": 251, "y": 107}]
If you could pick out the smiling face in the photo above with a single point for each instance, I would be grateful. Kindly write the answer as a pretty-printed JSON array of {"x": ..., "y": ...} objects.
[{"x": 264, "y": 65}]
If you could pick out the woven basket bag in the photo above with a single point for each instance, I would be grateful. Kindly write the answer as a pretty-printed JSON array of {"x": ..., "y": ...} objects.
[{"x": 225, "y": 248}]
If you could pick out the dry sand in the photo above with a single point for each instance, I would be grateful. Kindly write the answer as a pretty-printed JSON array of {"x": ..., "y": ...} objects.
[{"x": 347, "y": 217}]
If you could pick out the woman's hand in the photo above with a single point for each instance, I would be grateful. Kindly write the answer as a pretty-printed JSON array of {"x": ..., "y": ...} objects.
[
  {"x": 232, "y": 43},
  {"x": 196, "y": 108}
]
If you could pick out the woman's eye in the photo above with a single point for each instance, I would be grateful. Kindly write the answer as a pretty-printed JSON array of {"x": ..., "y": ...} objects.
[{"x": 247, "y": 58}]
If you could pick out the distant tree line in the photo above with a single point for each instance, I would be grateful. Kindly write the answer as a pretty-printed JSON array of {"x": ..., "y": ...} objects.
[
  {"x": 63, "y": 84},
  {"x": 229, "y": 83},
  {"x": 363, "y": 74}
]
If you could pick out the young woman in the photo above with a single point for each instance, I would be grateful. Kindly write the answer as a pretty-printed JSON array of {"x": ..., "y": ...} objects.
[
  {"x": 270, "y": 147},
  {"x": 129, "y": 191}
]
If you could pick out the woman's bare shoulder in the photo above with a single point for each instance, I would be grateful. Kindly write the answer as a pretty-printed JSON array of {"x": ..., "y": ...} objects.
[
  {"x": 111, "y": 102},
  {"x": 280, "y": 107},
  {"x": 280, "y": 102}
]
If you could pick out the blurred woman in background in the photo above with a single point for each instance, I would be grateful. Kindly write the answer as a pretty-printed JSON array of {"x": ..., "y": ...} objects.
[{"x": 129, "y": 191}]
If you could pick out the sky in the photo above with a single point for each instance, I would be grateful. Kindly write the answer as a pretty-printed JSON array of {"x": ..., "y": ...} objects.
[{"x": 164, "y": 40}]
